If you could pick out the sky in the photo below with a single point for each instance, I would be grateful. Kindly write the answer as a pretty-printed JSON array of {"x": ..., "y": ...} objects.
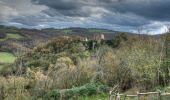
[{"x": 142, "y": 16}]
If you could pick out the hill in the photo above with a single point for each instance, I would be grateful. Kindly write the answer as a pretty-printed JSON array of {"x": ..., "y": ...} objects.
[
  {"x": 14, "y": 41},
  {"x": 27, "y": 38},
  {"x": 75, "y": 63}
]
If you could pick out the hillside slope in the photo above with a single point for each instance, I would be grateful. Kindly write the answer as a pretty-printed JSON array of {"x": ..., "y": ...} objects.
[{"x": 13, "y": 39}]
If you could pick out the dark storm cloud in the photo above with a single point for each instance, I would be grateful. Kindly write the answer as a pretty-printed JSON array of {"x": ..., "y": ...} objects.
[
  {"x": 65, "y": 7},
  {"x": 151, "y": 9},
  {"x": 72, "y": 7},
  {"x": 59, "y": 4},
  {"x": 113, "y": 14}
]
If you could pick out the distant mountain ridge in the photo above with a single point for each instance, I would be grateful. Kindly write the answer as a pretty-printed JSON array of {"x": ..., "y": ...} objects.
[
  {"x": 51, "y": 32},
  {"x": 12, "y": 38}
]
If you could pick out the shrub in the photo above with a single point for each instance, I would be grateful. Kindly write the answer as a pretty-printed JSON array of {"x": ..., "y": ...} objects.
[
  {"x": 85, "y": 90},
  {"x": 53, "y": 94}
]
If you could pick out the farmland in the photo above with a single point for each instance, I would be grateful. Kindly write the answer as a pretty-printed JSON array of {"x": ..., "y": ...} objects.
[
  {"x": 6, "y": 57},
  {"x": 11, "y": 36}
]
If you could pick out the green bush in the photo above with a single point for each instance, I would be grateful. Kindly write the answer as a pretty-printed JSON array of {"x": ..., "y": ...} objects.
[
  {"x": 85, "y": 90},
  {"x": 55, "y": 94},
  {"x": 92, "y": 89},
  {"x": 104, "y": 88}
]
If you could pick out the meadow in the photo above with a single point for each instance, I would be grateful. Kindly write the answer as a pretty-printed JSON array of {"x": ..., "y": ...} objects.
[
  {"x": 11, "y": 36},
  {"x": 6, "y": 57},
  {"x": 14, "y": 36}
]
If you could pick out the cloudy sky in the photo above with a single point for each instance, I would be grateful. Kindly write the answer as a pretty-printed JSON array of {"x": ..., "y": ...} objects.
[{"x": 148, "y": 16}]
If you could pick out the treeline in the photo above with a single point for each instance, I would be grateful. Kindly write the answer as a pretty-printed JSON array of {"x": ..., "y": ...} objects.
[{"x": 69, "y": 62}]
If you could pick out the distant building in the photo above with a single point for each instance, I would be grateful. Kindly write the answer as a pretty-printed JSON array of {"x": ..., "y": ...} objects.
[
  {"x": 86, "y": 39},
  {"x": 102, "y": 37},
  {"x": 99, "y": 37}
]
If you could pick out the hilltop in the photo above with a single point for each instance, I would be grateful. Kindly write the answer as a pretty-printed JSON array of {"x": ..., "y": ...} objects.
[{"x": 13, "y": 39}]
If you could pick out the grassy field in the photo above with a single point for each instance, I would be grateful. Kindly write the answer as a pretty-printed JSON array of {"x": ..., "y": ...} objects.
[
  {"x": 12, "y": 36},
  {"x": 1, "y": 40},
  {"x": 99, "y": 31},
  {"x": 1, "y": 66},
  {"x": 94, "y": 97},
  {"x": 67, "y": 30},
  {"x": 6, "y": 57}
]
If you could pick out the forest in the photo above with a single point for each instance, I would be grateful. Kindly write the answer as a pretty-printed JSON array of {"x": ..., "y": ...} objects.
[{"x": 76, "y": 68}]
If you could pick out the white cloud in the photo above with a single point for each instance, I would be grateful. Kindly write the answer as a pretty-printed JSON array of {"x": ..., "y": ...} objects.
[
  {"x": 127, "y": 15},
  {"x": 17, "y": 8},
  {"x": 7, "y": 12},
  {"x": 160, "y": 30}
]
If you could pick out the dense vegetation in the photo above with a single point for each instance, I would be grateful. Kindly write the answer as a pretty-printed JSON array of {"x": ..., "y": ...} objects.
[{"x": 69, "y": 67}]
